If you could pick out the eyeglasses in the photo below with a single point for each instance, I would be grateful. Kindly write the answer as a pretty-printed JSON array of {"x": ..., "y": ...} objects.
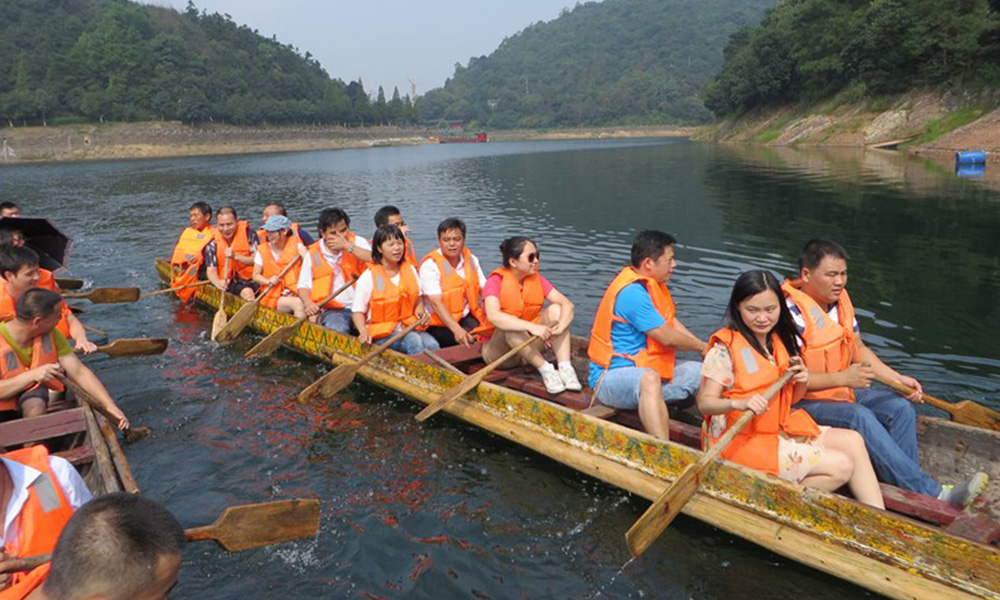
[{"x": 534, "y": 257}]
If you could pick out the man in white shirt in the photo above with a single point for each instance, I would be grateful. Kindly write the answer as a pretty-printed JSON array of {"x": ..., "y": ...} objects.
[{"x": 452, "y": 280}]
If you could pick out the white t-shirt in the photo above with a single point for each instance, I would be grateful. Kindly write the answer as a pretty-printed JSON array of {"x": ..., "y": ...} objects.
[
  {"x": 23, "y": 476},
  {"x": 366, "y": 285},
  {"x": 346, "y": 298},
  {"x": 430, "y": 277}
]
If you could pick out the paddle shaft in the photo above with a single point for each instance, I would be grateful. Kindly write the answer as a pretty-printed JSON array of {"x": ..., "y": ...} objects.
[
  {"x": 239, "y": 321},
  {"x": 174, "y": 289},
  {"x": 219, "y": 321},
  {"x": 669, "y": 504},
  {"x": 965, "y": 412},
  {"x": 907, "y": 391},
  {"x": 472, "y": 381},
  {"x": 281, "y": 276}
]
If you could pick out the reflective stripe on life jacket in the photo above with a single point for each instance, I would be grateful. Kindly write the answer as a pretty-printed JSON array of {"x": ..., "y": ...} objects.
[
  {"x": 756, "y": 445},
  {"x": 188, "y": 258},
  {"x": 241, "y": 247},
  {"x": 655, "y": 355},
  {"x": 323, "y": 275},
  {"x": 827, "y": 347},
  {"x": 391, "y": 304},
  {"x": 40, "y": 521},
  {"x": 43, "y": 352},
  {"x": 273, "y": 267},
  {"x": 8, "y": 305},
  {"x": 457, "y": 291}
]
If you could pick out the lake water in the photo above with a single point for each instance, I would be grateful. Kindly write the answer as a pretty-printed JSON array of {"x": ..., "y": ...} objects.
[{"x": 442, "y": 510}]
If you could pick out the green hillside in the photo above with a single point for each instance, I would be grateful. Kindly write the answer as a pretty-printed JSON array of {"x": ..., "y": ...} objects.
[
  {"x": 116, "y": 60},
  {"x": 602, "y": 63}
]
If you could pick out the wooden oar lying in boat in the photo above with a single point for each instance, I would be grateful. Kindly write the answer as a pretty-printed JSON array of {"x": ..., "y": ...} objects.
[
  {"x": 65, "y": 283},
  {"x": 246, "y": 312},
  {"x": 668, "y": 505},
  {"x": 339, "y": 378},
  {"x": 471, "y": 382},
  {"x": 220, "y": 315},
  {"x": 965, "y": 412},
  {"x": 174, "y": 289},
  {"x": 281, "y": 335},
  {"x": 240, "y": 528},
  {"x": 107, "y": 295},
  {"x": 134, "y": 347}
]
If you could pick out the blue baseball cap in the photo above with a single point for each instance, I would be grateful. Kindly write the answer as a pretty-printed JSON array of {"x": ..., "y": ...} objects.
[{"x": 277, "y": 223}]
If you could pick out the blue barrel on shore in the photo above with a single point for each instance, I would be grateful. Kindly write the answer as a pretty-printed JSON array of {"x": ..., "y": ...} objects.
[{"x": 971, "y": 157}]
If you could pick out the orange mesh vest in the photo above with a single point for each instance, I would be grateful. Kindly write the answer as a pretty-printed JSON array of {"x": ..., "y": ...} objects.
[
  {"x": 43, "y": 352},
  {"x": 187, "y": 259},
  {"x": 456, "y": 290},
  {"x": 273, "y": 267},
  {"x": 323, "y": 275},
  {"x": 241, "y": 247},
  {"x": 41, "y": 520},
  {"x": 756, "y": 446},
  {"x": 655, "y": 355},
  {"x": 8, "y": 305},
  {"x": 390, "y": 304},
  {"x": 828, "y": 347}
]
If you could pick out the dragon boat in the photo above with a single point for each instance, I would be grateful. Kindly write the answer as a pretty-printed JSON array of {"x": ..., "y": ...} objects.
[{"x": 919, "y": 547}]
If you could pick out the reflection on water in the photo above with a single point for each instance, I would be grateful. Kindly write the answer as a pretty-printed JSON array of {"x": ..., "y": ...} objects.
[{"x": 440, "y": 509}]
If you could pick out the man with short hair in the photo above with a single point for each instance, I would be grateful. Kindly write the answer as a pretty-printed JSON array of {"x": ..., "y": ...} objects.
[
  {"x": 277, "y": 208},
  {"x": 841, "y": 368},
  {"x": 452, "y": 281},
  {"x": 635, "y": 337},
  {"x": 390, "y": 215},
  {"x": 9, "y": 209},
  {"x": 20, "y": 271},
  {"x": 32, "y": 352},
  {"x": 236, "y": 242},
  {"x": 337, "y": 258},
  {"x": 187, "y": 264},
  {"x": 116, "y": 547}
]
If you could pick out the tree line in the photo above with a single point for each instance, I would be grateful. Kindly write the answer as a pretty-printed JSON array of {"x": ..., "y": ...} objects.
[
  {"x": 115, "y": 60},
  {"x": 809, "y": 50}
]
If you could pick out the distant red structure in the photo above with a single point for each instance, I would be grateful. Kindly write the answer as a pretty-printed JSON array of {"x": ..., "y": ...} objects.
[{"x": 463, "y": 139}]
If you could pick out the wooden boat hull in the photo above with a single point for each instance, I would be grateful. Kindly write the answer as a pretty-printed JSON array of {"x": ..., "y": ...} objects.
[{"x": 884, "y": 552}]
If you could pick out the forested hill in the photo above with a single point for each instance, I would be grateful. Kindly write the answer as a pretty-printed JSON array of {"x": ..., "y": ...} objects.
[
  {"x": 117, "y": 60},
  {"x": 625, "y": 62},
  {"x": 815, "y": 50}
]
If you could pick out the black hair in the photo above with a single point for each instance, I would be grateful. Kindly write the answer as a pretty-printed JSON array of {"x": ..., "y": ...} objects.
[
  {"x": 651, "y": 244},
  {"x": 329, "y": 217},
  {"x": 382, "y": 215},
  {"x": 111, "y": 547},
  {"x": 816, "y": 250},
  {"x": 7, "y": 236},
  {"x": 382, "y": 235},
  {"x": 451, "y": 223},
  {"x": 279, "y": 206},
  {"x": 202, "y": 207},
  {"x": 14, "y": 258},
  {"x": 512, "y": 247},
  {"x": 750, "y": 284},
  {"x": 37, "y": 302},
  {"x": 8, "y": 205},
  {"x": 227, "y": 210}
]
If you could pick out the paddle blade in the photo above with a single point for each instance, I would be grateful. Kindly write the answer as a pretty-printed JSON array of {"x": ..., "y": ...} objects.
[
  {"x": 136, "y": 347},
  {"x": 662, "y": 512},
  {"x": 109, "y": 295},
  {"x": 968, "y": 412},
  {"x": 237, "y": 323},
  {"x": 255, "y": 525},
  {"x": 447, "y": 398},
  {"x": 272, "y": 342},
  {"x": 220, "y": 320},
  {"x": 328, "y": 385}
]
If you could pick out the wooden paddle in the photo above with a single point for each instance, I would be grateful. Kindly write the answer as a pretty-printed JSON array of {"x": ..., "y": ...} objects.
[
  {"x": 239, "y": 528},
  {"x": 339, "y": 378},
  {"x": 65, "y": 283},
  {"x": 134, "y": 347},
  {"x": 471, "y": 382},
  {"x": 242, "y": 318},
  {"x": 220, "y": 315},
  {"x": 965, "y": 412},
  {"x": 669, "y": 504},
  {"x": 174, "y": 289},
  {"x": 281, "y": 335},
  {"x": 107, "y": 295}
]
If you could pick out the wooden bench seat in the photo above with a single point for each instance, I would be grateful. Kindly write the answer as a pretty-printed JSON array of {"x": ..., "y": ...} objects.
[{"x": 44, "y": 427}]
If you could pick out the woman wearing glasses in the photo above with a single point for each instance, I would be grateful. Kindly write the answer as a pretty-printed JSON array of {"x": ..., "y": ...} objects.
[{"x": 513, "y": 298}]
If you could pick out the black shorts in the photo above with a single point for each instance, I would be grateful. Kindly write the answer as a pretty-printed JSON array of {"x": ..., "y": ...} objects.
[
  {"x": 41, "y": 392},
  {"x": 445, "y": 338},
  {"x": 237, "y": 285}
]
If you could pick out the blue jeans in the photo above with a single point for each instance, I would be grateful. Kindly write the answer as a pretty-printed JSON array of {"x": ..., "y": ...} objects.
[
  {"x": 415, "y": 342},
  {"x": 888, "y": 423},
  {"x": 337, "y": 319},
  {"x": 619, "y": 388}
]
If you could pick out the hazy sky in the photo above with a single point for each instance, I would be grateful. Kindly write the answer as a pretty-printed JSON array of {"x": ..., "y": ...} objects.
[{"x": 387, "y": 42}]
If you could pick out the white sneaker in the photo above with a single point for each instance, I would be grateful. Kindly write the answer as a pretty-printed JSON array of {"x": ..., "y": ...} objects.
[
  {"x": 553, "y": 382},
  {"x": 964, "y": 493},
  {"x": 569, "y": 379}
]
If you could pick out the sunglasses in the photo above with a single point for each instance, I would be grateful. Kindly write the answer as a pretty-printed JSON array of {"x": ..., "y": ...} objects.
[{"x": 534, "y": 257}]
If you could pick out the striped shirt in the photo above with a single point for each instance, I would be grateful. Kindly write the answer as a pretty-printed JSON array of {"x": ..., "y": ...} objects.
[{"x": 800, "y": 322}]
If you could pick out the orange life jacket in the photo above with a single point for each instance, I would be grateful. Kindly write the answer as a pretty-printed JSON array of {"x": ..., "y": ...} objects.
[
  {"x": 241, "y": 247},
  {"x": 392, "y": 304},
  {"x": 523, "y": 300},
  {"x": 47, "y": 281},
  {"x": 43, "y": 352},
  {"x": 756, "y": 445},
  {"x": 188, "y": 258},
  {"x": 410, "y": 253},
  {"x": 655, "y": 355},
  {"x": 38, "y": 525},
  {"x": 323, "y": 275},
  {"x": 457, "y": 291},
  {"x": 8, "y": 305},
  {"x": 273, "y": 267},
  {"x": 828, "y": 347}
]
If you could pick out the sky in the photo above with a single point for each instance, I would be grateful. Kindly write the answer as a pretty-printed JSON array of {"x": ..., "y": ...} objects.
[{"x": 387, "y": 42}]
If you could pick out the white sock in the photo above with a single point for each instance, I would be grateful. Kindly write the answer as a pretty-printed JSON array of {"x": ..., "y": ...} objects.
[
  {"x": 546, "y": 367},
  {"x": 565, "y": 364}
]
